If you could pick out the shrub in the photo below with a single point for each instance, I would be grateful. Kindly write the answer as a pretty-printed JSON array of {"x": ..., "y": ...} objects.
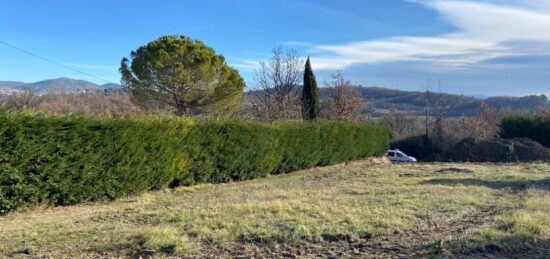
[
  {"x": 524, "y": 126},
  {"x": 305, "y": 145},
  {"x": 499, "y": 151},
  {"x": 220, "y": 151},
  {"x": 63, "y": 160},
  {"x": 421, "y": 147}
]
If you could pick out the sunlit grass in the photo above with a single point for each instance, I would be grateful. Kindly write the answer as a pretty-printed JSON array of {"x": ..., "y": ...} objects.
[
  {"x": 524, "y": 224},
  {"x": 313, "y": 206}
]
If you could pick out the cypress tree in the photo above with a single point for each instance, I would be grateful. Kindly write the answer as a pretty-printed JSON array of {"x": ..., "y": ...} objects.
[{"x": 310, "y": 94}]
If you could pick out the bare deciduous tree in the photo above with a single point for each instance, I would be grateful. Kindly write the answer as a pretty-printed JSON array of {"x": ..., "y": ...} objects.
[
  {"x": 483, "y": 126},
  {"x": 23, "y": 100},
  {"x": 543, "y": 111},
  {"x": 119, "y": 104},
  {"x": 343, "y": 102},
  {"x": 99, "y": 103},
  {"x": 276, "y": 87},
  {"x": 402, "y": 124}
]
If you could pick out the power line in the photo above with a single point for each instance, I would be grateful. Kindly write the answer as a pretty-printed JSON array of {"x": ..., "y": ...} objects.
[{"x": 53, "y": 62}]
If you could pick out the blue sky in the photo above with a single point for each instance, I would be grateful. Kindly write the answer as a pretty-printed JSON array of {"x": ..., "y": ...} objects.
[{"x": 486, "y": 47}]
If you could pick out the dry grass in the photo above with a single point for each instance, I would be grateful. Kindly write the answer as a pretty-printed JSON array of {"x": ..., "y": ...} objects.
[{"x": 317, "y": 206}]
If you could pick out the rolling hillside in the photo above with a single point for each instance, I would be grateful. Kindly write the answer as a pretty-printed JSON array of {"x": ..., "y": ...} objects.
[
  {"x": 380, "y": 100},
  {"x": 54, "y": 85},
  {"x": 384, "y": 99}
]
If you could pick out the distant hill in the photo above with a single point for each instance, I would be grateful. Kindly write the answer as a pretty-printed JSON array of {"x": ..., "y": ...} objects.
[
  {"x": 380, "y": 99},
  {"x": 6, "y": 90},
  {"x": 63, "y": 85},
  {"x": 384, "y": 99},
  {"x": 8, "y": 87},
  {"x": 54, "y": 85}
]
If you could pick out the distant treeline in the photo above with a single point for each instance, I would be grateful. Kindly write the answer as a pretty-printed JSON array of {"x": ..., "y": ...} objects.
[
  {"x": 378, "y": 100},
  {"x": 381, "y": 100}
]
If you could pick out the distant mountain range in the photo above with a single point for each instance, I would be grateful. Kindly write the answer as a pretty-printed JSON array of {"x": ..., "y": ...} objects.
[
  {"x": 54, "y": 85},
  {"x": 379, "y": 99}
]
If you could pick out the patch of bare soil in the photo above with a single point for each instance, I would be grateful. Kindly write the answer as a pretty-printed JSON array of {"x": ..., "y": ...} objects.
[
  {"x": 448, "y": 170},
  {"x": 454, "y": 170}
]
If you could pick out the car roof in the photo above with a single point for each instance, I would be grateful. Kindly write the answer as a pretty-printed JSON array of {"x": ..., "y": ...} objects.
[{"x": 397, "y": 151}]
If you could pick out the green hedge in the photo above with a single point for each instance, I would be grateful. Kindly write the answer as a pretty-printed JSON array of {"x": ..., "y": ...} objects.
[
  {"x": 220, "y": 151},
  {"x": 65, "y": 160},
  {"x": 69, "y": 159},
  {"x": 524, "y": 126}
]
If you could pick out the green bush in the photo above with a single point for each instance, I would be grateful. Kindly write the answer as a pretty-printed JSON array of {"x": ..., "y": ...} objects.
[
  {"x": 524, "y": 126},
  {"x": 305, "y": 145},
  {"x": 65, "y": 160},
  {"x": 220, "y": 151},
  {"x": 70, "y": 159}
]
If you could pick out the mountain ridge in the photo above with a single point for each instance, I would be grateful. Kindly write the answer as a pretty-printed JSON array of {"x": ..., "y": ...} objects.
[
  {"x": 61, "y": 84},
  {"x": 414, "y": 102}
]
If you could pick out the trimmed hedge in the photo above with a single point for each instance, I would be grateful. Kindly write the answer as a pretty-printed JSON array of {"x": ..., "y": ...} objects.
[
  {"x": 524, "y": 126},
  {"x": 220, "y": 151},
  {"x": 63, "y": 160}
]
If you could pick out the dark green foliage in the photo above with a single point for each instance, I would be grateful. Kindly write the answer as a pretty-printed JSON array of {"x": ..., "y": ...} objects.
[
  {"x": 310, "y": 94},
  {"x": 220, "y": 151},
  {"x": 65, "y": 160},
  {"x": 421, "y": 147},
  {"x": 305, "y": 145},
  {"x": 498, "y": 151},
  {"x": 524, "y": 126},
  {"x": 183, "y": 74},
  {"x": 224, "y": 150},
  {"x": 71, "y": 159}
]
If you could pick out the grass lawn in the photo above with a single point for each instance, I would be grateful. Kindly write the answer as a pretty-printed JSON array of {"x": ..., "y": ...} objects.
[{"x": 354, "y": 210}]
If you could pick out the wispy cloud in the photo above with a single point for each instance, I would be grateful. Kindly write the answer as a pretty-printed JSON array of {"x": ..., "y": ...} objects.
[
  {"x": 296, "y": 44},
  {"x": 485, "y": 30},
  {"x": 246, "y": 65}
]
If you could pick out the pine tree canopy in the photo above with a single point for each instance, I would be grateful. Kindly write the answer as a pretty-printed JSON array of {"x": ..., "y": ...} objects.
[{"x": 182, "y": 74}]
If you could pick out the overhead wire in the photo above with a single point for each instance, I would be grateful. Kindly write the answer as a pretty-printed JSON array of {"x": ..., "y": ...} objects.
[{"x": 53, "y": 62}]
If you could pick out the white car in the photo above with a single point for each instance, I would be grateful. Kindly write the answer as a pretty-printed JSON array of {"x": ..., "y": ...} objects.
[{"x": 397, "y": 156}]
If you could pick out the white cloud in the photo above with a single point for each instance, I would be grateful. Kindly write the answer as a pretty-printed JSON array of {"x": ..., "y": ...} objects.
[
  {"x": 484, "y": 30},
  {"x": 296, "y": 43},
  {"x": 245, "y": 65}
]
